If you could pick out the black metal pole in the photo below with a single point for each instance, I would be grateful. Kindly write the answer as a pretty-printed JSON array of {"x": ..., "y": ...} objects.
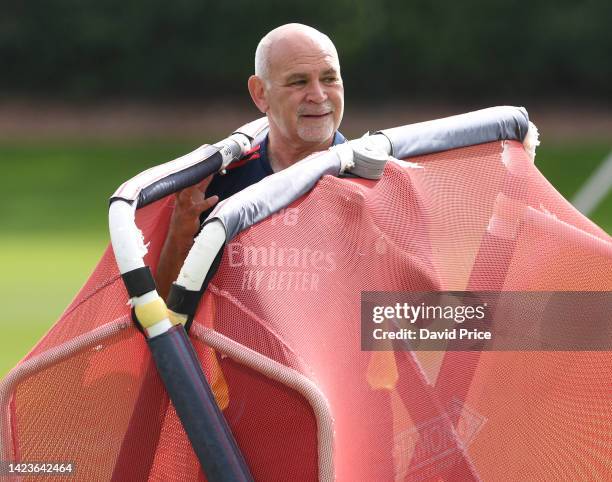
[{"x": 196, "y": 407}]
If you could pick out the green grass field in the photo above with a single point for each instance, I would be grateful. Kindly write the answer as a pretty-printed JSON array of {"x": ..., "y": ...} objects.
[{"x": 54, "y": 218}]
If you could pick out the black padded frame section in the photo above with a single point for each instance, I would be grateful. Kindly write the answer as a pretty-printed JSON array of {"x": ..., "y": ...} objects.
[
  {"x": 194, "y": 401},
  {"x": 179, "y": 180},
  {"x": 139, "y": 281},
  {"x": 185, "y": 302}
]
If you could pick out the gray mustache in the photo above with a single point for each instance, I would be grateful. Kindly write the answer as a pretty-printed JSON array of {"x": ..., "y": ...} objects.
[{"x": 325, "y": 109}]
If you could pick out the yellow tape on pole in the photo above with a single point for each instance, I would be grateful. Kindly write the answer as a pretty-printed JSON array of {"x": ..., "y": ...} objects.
[
  {"x": 151, "y": 313},
  {"x": 177, "y": 318}
]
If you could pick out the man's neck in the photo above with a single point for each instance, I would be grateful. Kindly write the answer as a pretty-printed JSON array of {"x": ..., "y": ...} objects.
[{"x": 283, "y": 154}]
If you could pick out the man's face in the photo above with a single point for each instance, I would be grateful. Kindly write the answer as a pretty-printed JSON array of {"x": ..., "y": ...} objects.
[{"x": 304, "y": 91}]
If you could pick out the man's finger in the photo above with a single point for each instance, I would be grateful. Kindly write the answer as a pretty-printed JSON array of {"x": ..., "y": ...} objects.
[
  {"x": 207, "y": 203},
  {"x": 203, "y": 184},
  {"x": 194, "y": 193},
  {"x": 187, "y": 195}
]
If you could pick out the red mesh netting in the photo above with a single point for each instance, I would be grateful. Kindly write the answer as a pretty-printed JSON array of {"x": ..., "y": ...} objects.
[{"x": 477, "y": 218}]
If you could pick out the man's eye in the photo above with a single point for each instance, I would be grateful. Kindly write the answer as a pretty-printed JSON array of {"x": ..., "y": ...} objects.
[
  {"x": 298, "y": 82},
  {"x": 330, "y": 80}
]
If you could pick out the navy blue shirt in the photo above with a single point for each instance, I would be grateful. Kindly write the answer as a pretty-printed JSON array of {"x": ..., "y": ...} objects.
[{"x": 253, "y": 167}]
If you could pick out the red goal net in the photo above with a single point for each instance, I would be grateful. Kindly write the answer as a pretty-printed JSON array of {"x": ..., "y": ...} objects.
[{"x": 278, "y": 335}]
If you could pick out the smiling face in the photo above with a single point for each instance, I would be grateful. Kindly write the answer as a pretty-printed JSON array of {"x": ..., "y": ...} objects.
[{"x": 302, "y": 91}]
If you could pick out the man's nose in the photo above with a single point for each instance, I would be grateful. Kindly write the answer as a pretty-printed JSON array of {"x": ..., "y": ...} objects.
[{"x": 316, "y": 92}]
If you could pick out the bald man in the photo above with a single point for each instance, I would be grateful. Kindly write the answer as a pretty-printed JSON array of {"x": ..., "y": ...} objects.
[{"x": 297, "y": 84}]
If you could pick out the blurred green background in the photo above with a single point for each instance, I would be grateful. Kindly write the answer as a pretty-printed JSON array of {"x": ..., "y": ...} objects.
[{"x": 95, "y": 92}]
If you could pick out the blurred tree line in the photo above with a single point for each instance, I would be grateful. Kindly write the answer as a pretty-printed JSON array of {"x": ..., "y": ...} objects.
[{"x": 431, "y": 50}]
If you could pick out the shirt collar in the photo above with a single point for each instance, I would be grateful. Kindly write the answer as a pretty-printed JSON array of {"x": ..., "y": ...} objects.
[{"x": 338, "y": 138}]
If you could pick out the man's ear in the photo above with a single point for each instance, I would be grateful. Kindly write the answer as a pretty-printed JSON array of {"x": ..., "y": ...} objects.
[{"x": 258, "y": 93}]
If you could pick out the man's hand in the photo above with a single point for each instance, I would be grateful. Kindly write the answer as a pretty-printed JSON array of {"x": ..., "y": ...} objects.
[
  {"x": 184, "y": 224},
  {"x": 190, "y": 204}
]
